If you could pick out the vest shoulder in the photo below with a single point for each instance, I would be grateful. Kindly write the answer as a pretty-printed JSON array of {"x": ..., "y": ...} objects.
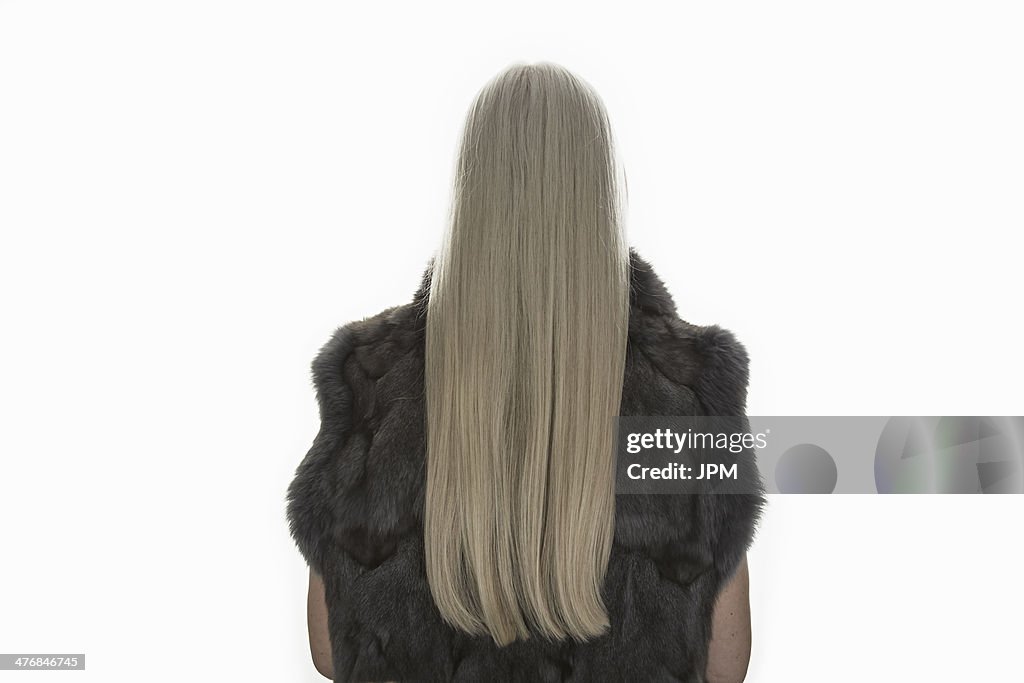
[
  {"x": 709, "y": 360},
  {"x": 706, "y": 363},
  {"x": 675, "y": 367},
  {"x": 363, "y": 351},
  {"x": 358, "y": 488}
]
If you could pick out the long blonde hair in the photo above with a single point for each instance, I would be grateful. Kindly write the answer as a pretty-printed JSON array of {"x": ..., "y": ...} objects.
[{"x": 525, "y": 350}]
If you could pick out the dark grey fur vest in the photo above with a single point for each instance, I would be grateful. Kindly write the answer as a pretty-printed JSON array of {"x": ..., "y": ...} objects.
[{"x": 355, "y": 510}]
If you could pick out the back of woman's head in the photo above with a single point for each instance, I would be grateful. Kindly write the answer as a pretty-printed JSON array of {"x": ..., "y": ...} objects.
[{"x": 525, "y": 349}]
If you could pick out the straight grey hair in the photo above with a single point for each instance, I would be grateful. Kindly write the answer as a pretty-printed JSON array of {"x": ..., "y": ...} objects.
[{"x": 525, "y": 351}]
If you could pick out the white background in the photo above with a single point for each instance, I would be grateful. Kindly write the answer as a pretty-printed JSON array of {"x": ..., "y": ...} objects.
[{"x": 193, "y": 195}]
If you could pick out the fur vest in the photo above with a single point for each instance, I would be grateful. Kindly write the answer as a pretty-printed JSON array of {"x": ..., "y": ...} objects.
[{"x": 355, "y": 510}]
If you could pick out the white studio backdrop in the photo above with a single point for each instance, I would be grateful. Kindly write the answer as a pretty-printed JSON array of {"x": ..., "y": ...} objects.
[{"x": 193, "y": 195}]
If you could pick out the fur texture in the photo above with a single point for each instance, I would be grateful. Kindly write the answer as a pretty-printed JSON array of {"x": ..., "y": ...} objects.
[{"x": 355, "y": 511}]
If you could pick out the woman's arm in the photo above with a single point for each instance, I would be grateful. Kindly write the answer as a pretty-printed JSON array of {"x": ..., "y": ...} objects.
[
  {"x": 316, "y": 618},
  {"x": 729, "y": 650}
]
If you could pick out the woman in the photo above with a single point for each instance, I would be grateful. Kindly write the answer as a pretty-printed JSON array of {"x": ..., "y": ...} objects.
[{"x": 457, "y": 508}]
